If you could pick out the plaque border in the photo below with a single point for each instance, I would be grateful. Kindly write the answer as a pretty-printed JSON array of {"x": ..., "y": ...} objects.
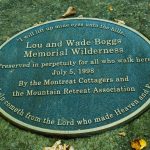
[{"x": 78, "y": 132}]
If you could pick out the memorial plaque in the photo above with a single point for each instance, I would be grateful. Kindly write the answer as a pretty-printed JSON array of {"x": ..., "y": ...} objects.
[{"x": 75, "y": 76}]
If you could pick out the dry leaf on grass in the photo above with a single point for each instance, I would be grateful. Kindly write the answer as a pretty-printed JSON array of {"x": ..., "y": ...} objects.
[
  {"x": 6, "y": 38},
  {"x": 70, "y": 11},
  {"x": 80, "y": 16},
  {"x": 110, "y": 8},
  {"x": 36, "y": 24},
  {"x": 122, "y": 133},
  {"x": 138, "y": 144},
  {"x": 119, "y": 21},
  {"x": 59, "y": 146}
]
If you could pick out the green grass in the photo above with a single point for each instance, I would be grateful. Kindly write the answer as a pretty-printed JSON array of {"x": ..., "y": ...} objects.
[
  {"x": 12, "y": 138},
  {"x": 17, "y": 15}
]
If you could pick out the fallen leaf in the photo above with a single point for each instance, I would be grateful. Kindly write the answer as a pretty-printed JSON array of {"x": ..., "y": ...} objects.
[
  {"x": 70, "y": 11},
  {"x": 138, "y": 144},
  {"x": 36, "y": 24},
  {"x": 143, "y": 143},
  {"x": 47, "y": 148},
  {"x": 122, "y": 133},
  {"x": 71, "y": 148},
  {"x": 59, "y": 146},
  {"x": 57, "y": 143},
  {"x": 119, "y": 21},
  {"x": 80, "y": 16},
  {"x": 110, "y": 8},
  {"x": 6, "y": 37}
]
